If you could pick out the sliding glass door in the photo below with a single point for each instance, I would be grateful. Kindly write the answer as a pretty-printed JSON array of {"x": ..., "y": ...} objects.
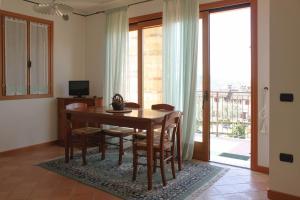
[
  {"x": 202, "y": 93},
  {"x": 230, "y": 74},
  {"x": 152, "y": 66},
  {"x": 225, "y": 78},
  {"x": 224, "y": 87},
  {"x": 144, "y": 84}
]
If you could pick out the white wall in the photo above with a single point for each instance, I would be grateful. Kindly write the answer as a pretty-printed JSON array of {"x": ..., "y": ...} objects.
[
  {"x": 28, "y": 122},
  {"x": 96, "y": 56},
  {"x": 284, "y": 77}
]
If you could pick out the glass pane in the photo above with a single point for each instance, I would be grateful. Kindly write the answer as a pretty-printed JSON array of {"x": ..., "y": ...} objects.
[
  {"x": 132, "y": 69},
  {"x": 230, "y": 65},
  {"x": 199, "y": 88},
  {"x": 152, "y": 66},
  {"x": 15, "y": 56},
  {"x": 39, "y": 58}
]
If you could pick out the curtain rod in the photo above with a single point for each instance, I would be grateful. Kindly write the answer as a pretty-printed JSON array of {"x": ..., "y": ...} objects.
[
  {"x": 95, "y": 13},
  {"x": 103, "y": 11}
]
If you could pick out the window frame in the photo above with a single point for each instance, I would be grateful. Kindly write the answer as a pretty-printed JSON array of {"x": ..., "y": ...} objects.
[
  {"x": 28, "y": 20},
  {"x": 139, "y": 24}
]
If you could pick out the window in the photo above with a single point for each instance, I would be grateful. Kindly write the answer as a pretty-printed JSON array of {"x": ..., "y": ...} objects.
[
  {"x": 25, "y": 57},
  {"x": 152, "y": 66},
  {"x": 132, "y": 72},
  {"x": 144, "y": 83}
]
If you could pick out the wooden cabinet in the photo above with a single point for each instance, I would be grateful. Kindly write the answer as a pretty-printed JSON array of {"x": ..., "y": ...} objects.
[{"x": 61, "y": 118}]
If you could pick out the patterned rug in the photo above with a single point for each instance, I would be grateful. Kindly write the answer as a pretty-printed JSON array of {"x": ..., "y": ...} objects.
[{"x": 108, "y": 176}]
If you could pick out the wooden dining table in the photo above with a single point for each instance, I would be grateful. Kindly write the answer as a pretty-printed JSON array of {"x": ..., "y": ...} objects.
[{"x": 143, "y": 119}]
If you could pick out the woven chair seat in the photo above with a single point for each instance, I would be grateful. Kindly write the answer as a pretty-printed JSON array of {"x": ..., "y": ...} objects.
[
  {"x": 86, "y": 131},
  {"x": 115, "y": 131},
  {"x": 156, "y": 143}
]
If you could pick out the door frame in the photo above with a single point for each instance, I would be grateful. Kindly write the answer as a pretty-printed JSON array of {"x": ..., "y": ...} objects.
[{"x": 202, "y": 150}]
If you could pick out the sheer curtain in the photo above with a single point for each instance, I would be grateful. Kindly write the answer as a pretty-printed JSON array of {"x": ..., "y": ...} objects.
[
  {"x": 116, "y": 53},
  {"x": 180, "y": 50},
  {"x": 15, "y": 56},
  {"x": 39, "y": 58}
]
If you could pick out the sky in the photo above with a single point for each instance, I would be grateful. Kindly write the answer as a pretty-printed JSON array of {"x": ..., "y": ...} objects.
[{"x": 230, "y": 49}]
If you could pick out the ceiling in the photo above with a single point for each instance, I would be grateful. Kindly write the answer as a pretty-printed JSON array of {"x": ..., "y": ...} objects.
[{"x": 87, "y": 7}]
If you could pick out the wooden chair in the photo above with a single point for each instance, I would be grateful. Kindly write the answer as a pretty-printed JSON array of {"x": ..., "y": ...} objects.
[
  {"x": 163, "y": 107},
  {"x": 160, "y": 107},
  {"x": 121, "y": 133},
  {"x": 85, "y": 136},
  {"x": 163, "y": 145}
]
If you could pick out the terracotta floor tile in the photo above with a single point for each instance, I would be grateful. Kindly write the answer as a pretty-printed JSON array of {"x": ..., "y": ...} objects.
[
  {"x": 22, "y": 191},
  {"x": 225, "y": 189},
  {"x": 260, "y": 195},
  {"x": 235, "y": 197},
  {"x": 86, "y": 196},
  {"x": 245, "y": 187},
  {"x": 100, "y": 195},
  {"x": 22, "y": 180},
  {"x": 4, "y": 195}
]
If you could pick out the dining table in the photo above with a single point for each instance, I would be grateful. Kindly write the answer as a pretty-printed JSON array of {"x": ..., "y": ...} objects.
[{"x": 141, "y": 119}]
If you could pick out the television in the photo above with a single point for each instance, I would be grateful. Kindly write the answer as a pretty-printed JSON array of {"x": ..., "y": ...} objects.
[{"x": 79, "y": 88}]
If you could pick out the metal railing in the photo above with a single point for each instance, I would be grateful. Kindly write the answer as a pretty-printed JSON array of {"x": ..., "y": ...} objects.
[{"x": 230, "y": 113}]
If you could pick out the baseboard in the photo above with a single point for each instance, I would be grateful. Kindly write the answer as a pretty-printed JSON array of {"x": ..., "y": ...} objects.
[
  {"x": 28, "y": 148},
  {"x": 273, "y": 195},
  {"x": 261, "y": 169}
]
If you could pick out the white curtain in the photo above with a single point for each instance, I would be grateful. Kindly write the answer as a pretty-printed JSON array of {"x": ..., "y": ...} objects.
[
  {"x": 180, "y": 50},
  {"x": 39, "y": 58},
  {"x": 117, "y": 35},
  {"x": 15, "y": 56}
]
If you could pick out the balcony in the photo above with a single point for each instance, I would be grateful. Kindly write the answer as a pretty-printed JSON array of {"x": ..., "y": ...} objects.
[{"x": 230, "y": 126}]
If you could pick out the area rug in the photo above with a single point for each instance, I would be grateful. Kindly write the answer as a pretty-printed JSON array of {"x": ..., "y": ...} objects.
[{"x": 106, "y": 175}]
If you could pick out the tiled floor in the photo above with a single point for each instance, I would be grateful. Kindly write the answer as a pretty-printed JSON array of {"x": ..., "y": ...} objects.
[{"x": 20, "y": 180}]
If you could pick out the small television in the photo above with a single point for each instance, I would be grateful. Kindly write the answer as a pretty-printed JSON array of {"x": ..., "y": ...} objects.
[{"x": 79, "y": 88}]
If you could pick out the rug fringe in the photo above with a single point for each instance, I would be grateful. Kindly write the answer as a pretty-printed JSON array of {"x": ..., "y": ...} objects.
[{"x": 196, "y": 194}]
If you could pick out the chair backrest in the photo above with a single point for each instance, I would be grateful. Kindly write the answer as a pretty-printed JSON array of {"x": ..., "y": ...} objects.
[
  {"x": 77, "y": 123},
  {"x": 169, "y": 121},
  {"x": 132, "y": 105},
  {"x": 77, "y": 106},
  {"x": 165, "y": 107}
]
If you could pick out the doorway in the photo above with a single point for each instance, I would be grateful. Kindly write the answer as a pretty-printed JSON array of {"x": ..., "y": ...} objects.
[
  {"x": 225, "y": 80},
  {"x": 230, "y": 86}
]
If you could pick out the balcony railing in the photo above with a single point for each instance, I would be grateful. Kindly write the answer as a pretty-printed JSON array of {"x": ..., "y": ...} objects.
[{"x": 230, "y": 113}]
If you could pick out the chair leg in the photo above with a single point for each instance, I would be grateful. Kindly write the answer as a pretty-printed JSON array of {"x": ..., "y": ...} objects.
[
  {"x": 173, "y": 163},
  {"x": 162, "y": 168},
  {"x": 103, "y": 147},
  {"x": 83, "y": 149},
  {"x": 135, "y": 162},
  {"x": 72, "y": 148},
  {"x": 154, "y": 162},
  {"x": 121, "y": 151}
]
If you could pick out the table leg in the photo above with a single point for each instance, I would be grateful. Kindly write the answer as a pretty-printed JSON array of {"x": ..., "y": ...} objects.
[
  {"x": 149, "y": 155},
  {"x": 179, "y": 147}
]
